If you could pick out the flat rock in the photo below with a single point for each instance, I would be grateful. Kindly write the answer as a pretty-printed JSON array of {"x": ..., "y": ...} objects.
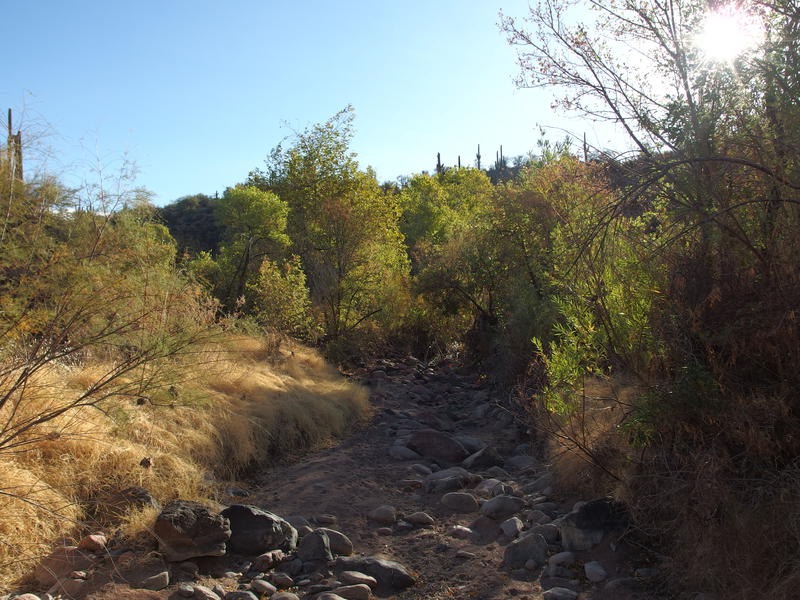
[
  {"x": 502, "y": 507},
  {"x": 519, "y": 552},
  {"x": 438, "y": 446},
  {"x": 420, "y": 519},
  {"x": 357, "y": 578},
  {"x": 156, "y": 582},
  {"x": 60, "y": 563},
  {"x": 256, "y": 531},
  {"x": 388, "y": 573},
  {"x": 460, "y": 502},
  {"x": 187, "y": 529},
  {"x": 282, "y": 580}
]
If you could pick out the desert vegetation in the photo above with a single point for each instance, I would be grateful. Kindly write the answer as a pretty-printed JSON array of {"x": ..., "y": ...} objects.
[{"x": 641, "y": 307}]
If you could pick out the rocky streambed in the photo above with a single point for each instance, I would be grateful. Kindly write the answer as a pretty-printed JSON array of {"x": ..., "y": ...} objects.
[{"x": 438, "y": 497}]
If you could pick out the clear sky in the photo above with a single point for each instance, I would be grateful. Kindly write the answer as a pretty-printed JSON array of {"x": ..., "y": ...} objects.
[{"x": 197, "y": 92}]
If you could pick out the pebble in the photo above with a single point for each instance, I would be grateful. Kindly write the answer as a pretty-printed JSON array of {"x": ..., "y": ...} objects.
[
  {"x": 359, "y": 591},
  {"x": 93, "y": 543},
  {"x": 156, "y": 582},
  {"x": 420, "y": 519}
]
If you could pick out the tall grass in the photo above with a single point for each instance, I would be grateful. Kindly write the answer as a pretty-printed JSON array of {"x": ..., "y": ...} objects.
[{"x": 225, "y": 407}]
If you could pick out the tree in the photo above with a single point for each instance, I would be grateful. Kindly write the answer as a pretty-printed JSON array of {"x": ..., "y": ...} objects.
[
  {"x": 193, "y": 224},
  {"x": 342, "y": 225}
]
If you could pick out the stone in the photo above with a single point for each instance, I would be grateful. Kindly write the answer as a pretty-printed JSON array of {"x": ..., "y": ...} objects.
[
  {"x": 339, "y": 543},
  {"x": 384, "y": 531},
  {"x": 262, "y": 587},
  {"x": 483, "y": 459},
  {"x": 548, "y": 531},
  {"x": 186, "y": 590},
  {"x": 485, "y": 530},
  {"x": 512, "y": 527},
  {"x": 559, "y": 593},
  {"x": 315, "y": 547},
  {"x": 388, "y": 573},
  {"x": 360, "y": 591},
  {"x": 447, "y": 473},
  {"x": 93, "y": 543},
  {"x": 500, "y": 508},
  {"x": 471, "y": 444},
  {"x": 465, "y": 554},
  {"x": 537, "y": 516},
  {"x": 256, "y": 531},
  {"x": 60, "y": 563},
  {"x": 420, "y": 519},
  {"x": 385, "y": 515},
  {"x": 218, "y": 590},
  {"x": 201, "y": 592},
  {"x": 556, "y": 561},
  {"x": 156, "y": 582},
  {"x": 584, "y": 528},
  {"x": 448, "y": 484},
  {"x": 284, "y": 596},
  {"x": 282, "y": 580},
  {"x": 25, "y": 597},
  {"x": 437, "y": 446},
  {"x": 520, "y": 463},
  {"x": 421, "y": 469},
  {"x": 460, "y": 532},
  {"x": 399, "y": 452},
  {"x": 325, "y": 519},
  {"x": 240, "y": 595},
  {"x": 460, "y": 502},
  {"x": 297, "y": 521},
  {"x": 357, "y": 578},
  {"x": 498, "y": 473},
  {"x": 488, "y": 488},
  {"x": 268, "y": 560},
  {"x": 303, "y": 530},
  {"x": 187, "y": 529},
  {"x": 594, "y": 571},
  {"x": 520, "y": 551},
  {"x": 540, "y": 484}
]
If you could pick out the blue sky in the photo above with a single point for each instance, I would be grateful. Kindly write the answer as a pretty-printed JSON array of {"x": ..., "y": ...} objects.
[{"x": 197, "y": 93}]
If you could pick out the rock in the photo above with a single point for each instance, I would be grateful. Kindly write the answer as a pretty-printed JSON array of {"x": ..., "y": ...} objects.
[
  {"x": 520, "y": 462},
  {"x": 483, "y": 459},
  {"x": 359, "y": 591},
  {"x": 485, "y": 530},
  {"x": 464, "y": 554},
  {"x": 357, "y": 578},
  {"x": 240, "y": 595},
  {"x": 93, "y": 543},
  {"x": 237, "y": 492},
  {"x": 498, "y": 473},
  {"x": 540, "y": 484},
  {"x": 556, "y": 561},
  {"x": 421, "y": 469},
  {"x": 489, "y": 488},
  {"x": 585, "y": 527},
  {"x": 282, "y": 580},
  {"x": 559, "y": 593},
  {"x": 511, "y": 528},
  {"x": 201, "y": 592},
  {"x": 268, "y": 560},
  {"x": 519, "y": 552},
  {"x": 471, "y": 444},
  {"x": 447, "y": 473},
  {"x": 461, "y": 502},
  {"x": 325, "y": 519},
  {"x": 24, "y": 597},
  {"x": 420, "y": 519},
  {"x": 437, "y": 445},
  {"x": 645, "y": 573},
  {"x": 500, "y": 508},
  {"x": 398, "y": 452},
  {"x": 303, "y": 530},
  {"x": 388, "y": 573},
  {"x": 262, "y": 587},
  {"x": 548, "y": 532},
  {"x": 385, "y": 515},
  {"x": 460, "y": 532},
  {"x": 537, "y": 516},
  {"x": 339, "y": 543},
  {"x": 256, "y": 531},
  {"x": 448, "y": 484},
  {"x": 594, "y": 571},
  {"x": 315, "y": 547},
  {"x": 60, "y": 563},
  {"x": 188, "y": 529},
  {"x": 384, "y": 531},
  {"x": 185, "y": 590},
  {"x": 218, "y": 590},
  {"x": 284, "y": 596},
  {"x": 297, "y": 521},
  {"x": 156, "y": 582}
]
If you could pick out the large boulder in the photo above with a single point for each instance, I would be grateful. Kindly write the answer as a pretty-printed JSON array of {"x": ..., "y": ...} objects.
[
  {"x": 187, "y": 530},
  {"x": 390, "y": 575},
  {"x": 255, "y": 531},
  {"x": 438, "y": 446}
]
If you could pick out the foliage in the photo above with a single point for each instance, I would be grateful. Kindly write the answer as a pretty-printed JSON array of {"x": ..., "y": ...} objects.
[{"x": 192, "y": 222}]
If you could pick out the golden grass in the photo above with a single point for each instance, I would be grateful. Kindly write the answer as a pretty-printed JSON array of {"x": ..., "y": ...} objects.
[{"x": 221, "y": 409}]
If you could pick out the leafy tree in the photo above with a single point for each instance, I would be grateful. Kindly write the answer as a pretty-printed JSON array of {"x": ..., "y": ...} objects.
[
  {"x": 342, "y": 225},
  {"x": 192, "y": 222}
]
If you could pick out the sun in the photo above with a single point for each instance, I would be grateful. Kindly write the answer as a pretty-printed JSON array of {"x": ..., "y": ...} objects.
[{"x": 728, "y": 32}]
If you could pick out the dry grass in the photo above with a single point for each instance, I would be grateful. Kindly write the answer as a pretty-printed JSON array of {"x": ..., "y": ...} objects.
[{"x": 222, "y": 409}]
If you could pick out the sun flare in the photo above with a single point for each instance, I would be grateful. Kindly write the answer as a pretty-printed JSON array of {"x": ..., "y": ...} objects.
[{"x": 728, "y": 32}]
